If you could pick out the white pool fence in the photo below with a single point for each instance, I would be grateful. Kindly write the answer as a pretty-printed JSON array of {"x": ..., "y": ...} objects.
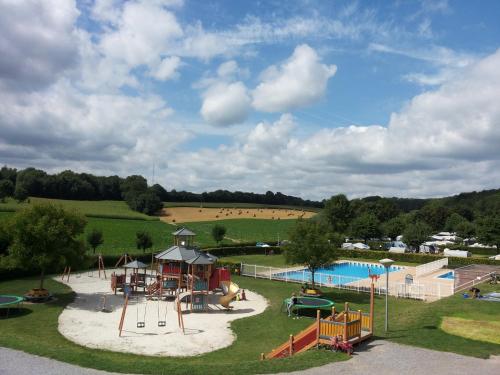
[{"x": 417, "y": 290}]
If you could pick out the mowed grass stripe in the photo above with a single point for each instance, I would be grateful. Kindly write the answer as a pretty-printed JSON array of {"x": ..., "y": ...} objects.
[
  {"x": 119, "y": 234},
  {"x": 111, "y": 209}
]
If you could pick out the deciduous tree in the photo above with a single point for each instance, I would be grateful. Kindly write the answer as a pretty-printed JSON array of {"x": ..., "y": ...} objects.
[
  {"x": 46, "y": 238},
  {"x": 218, "y": 233},
  {"x": 95, "y": 239},
  {"x": 309, "y": 245}
]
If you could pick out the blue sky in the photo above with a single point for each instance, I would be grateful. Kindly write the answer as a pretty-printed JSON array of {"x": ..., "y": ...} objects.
[{"x": 309, "y": 98}]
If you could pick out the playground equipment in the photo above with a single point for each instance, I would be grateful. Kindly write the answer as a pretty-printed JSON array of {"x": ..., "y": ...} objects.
[
  {"x": 124, "y": 259},
  {"x": 66, "y": 273},
  {"x": 137, "y": 279},
  {"x": 8, "y": 301},
  {"x": 347, "y": 327},
  {"x": 310, "y": 292},
  {"x": 230, "y": 290},
  {"x": 309, "y": 303},
  {"x": 182, "y": 272}
]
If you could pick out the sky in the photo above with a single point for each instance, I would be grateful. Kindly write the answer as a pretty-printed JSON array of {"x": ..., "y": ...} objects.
[{"x": 309, "y": 98}]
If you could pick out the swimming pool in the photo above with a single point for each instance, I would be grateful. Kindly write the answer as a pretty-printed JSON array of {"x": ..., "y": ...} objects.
[
  {"x": 337, "y": 273},
  {"x": 447, "y": 275}
]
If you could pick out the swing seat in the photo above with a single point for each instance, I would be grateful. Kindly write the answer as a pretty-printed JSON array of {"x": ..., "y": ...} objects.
[
  {"x": 141, "y": 324},
  {"x": 162, "y": 323}
]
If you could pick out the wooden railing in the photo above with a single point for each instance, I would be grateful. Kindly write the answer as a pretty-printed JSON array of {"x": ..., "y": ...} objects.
[{"x": 349, "y": 326}]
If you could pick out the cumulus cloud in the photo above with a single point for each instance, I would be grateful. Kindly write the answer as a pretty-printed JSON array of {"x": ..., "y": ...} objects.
[
  {"x": 62, "y": 126},
  {"x": 145, "y": 30},
  {"x": 167, "y": 68},
  {"x": 299, "y": 81},
  {"x": 37, "y": 42},
  {"x": 225, "y": 104},
  {"x": 443, "y": 141}
]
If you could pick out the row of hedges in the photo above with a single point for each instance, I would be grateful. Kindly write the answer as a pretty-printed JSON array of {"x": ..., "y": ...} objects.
[
  {"x": 473, "y": 250},
  {"x": 414, "y": 257},
  {"x": 242, "y": 250}
]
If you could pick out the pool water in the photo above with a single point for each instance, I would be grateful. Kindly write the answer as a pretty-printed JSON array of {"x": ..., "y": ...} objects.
[
  {"x": 447, "y": 275},
  {"x": 338, "y": 273}
]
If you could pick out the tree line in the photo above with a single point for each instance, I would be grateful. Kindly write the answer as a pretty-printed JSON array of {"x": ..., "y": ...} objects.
[
  {"x": 133, "y": 189},
  {"x": 376, "y": 218}
]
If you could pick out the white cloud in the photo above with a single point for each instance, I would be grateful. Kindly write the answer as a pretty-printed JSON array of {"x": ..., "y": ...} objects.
[
  {"x": 167, "y": 68},
  {"x": 443, "y": 141},
  {"x": 37, "y": 42},
  {"x": 299, "y": 81},
  {"x": 144, "y": 32},
  {"x": 446, "y": 62},
  {"x": 225, "y": 103}
]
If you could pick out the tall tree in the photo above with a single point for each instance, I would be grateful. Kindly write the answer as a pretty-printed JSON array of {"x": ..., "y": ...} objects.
[
  {"x": 488, "y": 231},
  {"x": 6, "y": 189},
  {"x": 218, "y": 233},
  {"x": 143, "y": 240},
  {"x": 465, "y": 229},
  {"x": 309, "y": 245},
  {"x": 95, "y": 239},
  {"x": 46, "y": 238},
  {"x": 417, "y": 233},
  {"x": 394, "y": 227},
  {"x": 452, "y": 222},
  {"x": 338, "y": 213},
  {"x": 365, "y": 226}
]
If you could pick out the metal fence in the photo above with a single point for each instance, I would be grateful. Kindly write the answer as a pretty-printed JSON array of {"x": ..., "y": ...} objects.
[{"x": 299, "y": 275}]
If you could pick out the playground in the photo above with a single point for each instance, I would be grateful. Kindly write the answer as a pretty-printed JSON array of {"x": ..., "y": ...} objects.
[{"x": 91, "y": 322}]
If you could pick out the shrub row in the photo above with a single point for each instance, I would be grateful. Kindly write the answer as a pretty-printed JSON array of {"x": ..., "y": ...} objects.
[
  {"x": 414, "y": 257},
  {"x": 241, "y": 250},
  {"x": 473, "y": 250}
]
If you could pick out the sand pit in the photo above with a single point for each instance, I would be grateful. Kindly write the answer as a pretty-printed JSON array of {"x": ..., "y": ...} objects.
[
  {"x": 190, "y": 214},
  {"x": 83, "y": 323}
]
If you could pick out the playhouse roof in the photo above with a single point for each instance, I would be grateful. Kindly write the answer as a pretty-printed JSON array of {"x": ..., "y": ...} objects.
[
  {"x": 178, "y": 253},
  {"x": 183, "y": 232},
  {"x": 191, "y": 256},
  {"x": 201, "y": 259},
  {"x": 135, "y": 264}
]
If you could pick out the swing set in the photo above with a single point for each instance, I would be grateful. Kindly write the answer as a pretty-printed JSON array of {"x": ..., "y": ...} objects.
[{"x": 141, "y": 318}]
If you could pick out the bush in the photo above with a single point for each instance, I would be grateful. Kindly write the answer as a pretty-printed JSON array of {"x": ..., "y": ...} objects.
[
  {"x": 241, "y": 250},
  {"x": 413, "y": 257}
]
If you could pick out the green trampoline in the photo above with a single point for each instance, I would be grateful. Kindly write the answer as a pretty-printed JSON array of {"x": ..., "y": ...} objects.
[
  {"x": 7, "y": 301},
  {"x": 313, "y": 303}
]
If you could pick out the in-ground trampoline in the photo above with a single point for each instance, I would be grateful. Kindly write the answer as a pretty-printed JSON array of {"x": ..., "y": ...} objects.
[
  {"x": 9, "y": 301},
  {"x": 313, "y": 303}
]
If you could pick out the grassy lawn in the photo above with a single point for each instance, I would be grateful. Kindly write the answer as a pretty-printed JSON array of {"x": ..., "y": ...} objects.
[
  {"x": 244, "y": 230},
  {"x": 237, "y": 205},
  {"x": 119, "y": 234},
  {"x": 112, "y": 209},
  {"x": 38, "y": 324},
  {"x": 411, "y": 322}
]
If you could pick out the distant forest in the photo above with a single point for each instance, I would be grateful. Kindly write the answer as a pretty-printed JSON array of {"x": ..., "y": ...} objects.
[{"x": 84, "y": 186}]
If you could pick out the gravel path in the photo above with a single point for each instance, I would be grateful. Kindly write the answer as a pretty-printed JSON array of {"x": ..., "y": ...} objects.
[{"x": 377, "y": 357}]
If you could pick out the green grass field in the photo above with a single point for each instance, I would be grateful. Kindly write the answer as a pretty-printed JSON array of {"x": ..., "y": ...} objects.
[
  {"x": 411, "y": 322},
  {"x": 119, "y": 234},
  {"x": 111, "y": 209},
  {"x": 256, "y": 334},
  {"x": 238, "y": 205}
]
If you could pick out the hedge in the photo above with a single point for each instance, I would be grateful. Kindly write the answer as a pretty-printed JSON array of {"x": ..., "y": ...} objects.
[
  {"x": 413, "y": 257},
  {"x": 241, "y": 250}
]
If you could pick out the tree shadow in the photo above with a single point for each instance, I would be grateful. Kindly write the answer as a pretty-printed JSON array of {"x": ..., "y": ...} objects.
[{"x": 14, "y": 312}]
